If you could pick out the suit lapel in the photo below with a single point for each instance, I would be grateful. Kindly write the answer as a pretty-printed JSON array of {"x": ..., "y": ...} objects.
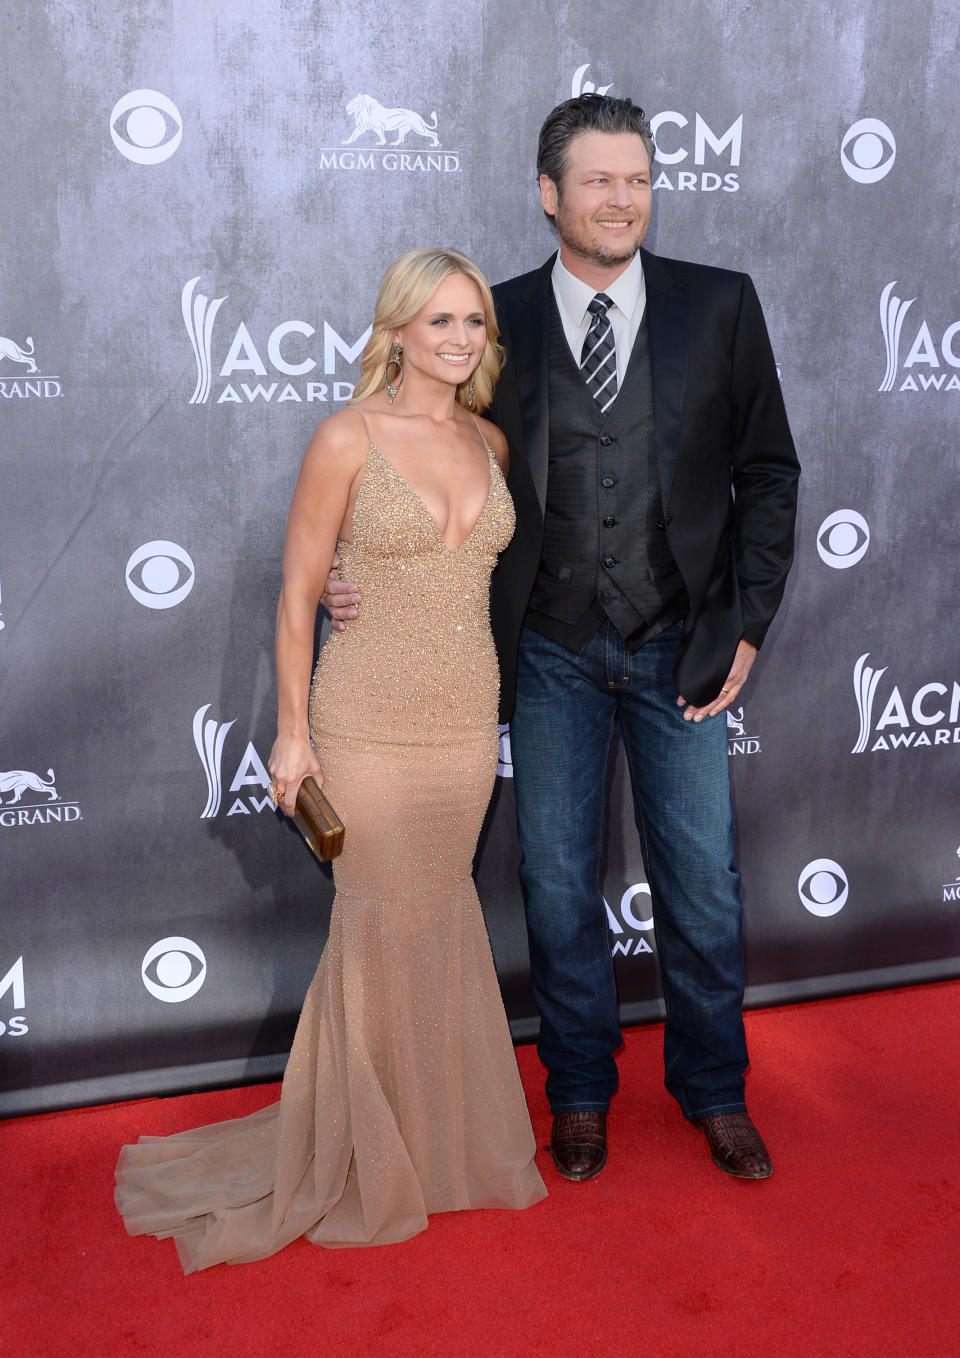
[
  {"x": 667, "y": 330},
  {"x": 530, "y": 324}
]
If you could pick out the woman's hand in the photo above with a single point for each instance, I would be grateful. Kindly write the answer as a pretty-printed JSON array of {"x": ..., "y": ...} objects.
[{"x": 291, "y": 760}]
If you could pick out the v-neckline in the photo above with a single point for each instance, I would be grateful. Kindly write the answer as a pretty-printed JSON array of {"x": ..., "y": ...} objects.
[{"x": 423, "y": 504}]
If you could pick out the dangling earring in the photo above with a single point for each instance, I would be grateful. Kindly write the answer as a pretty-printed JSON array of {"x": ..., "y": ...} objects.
[
  {"x": 471, "y": 391},
  {"x": 394, "y": 361}
]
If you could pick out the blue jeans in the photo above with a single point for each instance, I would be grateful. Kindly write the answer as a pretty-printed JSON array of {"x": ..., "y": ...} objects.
[{"x": 561, "y": 735}]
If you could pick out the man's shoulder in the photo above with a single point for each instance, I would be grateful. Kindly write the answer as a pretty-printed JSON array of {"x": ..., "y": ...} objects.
[
  {"x": 661, "y": 268},
  {"x": 523, "y": 284}
]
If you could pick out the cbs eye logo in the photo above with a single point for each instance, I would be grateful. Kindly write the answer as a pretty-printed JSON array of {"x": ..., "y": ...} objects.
[
  {"x": 160, "y": 574},
  {"x": 174, "y": 969},
  {"x": 823, "y": 887},
  {"x": 868, "y": 151},
  {"x": 146, "y": 126},
  {"x": 843, "y": 539}
]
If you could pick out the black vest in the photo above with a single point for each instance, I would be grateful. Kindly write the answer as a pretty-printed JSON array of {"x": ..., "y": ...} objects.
[{"x": 605, "y": 552}]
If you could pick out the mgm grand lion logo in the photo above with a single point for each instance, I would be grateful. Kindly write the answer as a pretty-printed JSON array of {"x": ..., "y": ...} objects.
[
  {"x": 19, "y": 781},
  {"x": 53, "y": 811},
  {"x": 370, "y": 116},
  {"x": 18, "y": 353},
  {"x": 735, "y": 726},
  {"x": 26, "y": 381}
]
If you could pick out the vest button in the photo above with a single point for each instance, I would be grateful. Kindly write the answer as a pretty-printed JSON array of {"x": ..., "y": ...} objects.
[
  {"x": 607, "y": 483},
  {"x": 605, "y": 440},
  {"x": 609, "y": 562},
  {"x": 609, "y": 522}
]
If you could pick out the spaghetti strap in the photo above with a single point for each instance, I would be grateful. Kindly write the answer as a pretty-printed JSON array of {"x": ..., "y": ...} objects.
[
  {"x": 482, "y": 439},
  {"x": 366, "y": 427}
]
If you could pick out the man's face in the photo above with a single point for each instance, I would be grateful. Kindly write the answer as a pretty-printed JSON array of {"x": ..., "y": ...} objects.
[{"x": 602, "y": 206}]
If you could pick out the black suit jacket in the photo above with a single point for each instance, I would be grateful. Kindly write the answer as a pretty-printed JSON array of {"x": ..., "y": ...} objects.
[{"x": 728, "y": 468}]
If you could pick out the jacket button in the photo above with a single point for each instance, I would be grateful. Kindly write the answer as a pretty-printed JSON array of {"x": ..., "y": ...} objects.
[
  {"x": 609, "y": 522},
  {"x": 605, "y": 440},
  {"x": 662, "y": 523},
  {"x": 607, "y": 483},
  {"x": 609, "y": 562}
]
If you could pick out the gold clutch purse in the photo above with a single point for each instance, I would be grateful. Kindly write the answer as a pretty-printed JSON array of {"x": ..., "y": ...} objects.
[{"x": 317, "y": 821}]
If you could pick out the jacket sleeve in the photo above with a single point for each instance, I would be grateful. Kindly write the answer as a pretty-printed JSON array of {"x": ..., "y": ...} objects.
[{"x": 764, "y": 471}]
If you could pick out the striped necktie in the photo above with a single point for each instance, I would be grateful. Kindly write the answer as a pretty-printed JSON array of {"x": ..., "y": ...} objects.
[{"x": 598, "y": 359}]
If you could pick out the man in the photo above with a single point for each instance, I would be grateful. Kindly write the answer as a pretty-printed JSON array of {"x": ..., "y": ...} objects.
[{"x": 654, "y": 479}]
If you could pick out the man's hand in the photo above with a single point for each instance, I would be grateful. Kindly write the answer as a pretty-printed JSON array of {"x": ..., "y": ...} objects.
[
  {"x": 735, "y": 681},
  {"x": 339, "y": 598}
]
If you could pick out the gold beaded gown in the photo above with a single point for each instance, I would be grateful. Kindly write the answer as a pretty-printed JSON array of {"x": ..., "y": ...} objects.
[{"x": 401, "y": 1096}]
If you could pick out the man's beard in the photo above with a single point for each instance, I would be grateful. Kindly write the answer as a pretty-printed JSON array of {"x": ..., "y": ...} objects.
[{"x": 587, "y": 249}]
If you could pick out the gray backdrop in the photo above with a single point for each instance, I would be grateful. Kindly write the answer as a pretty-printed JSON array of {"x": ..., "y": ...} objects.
[{"x": 198, "y": 203}]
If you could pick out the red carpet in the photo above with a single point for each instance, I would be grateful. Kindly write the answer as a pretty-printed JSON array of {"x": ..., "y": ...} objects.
[{"x": 851, "y": 1250}]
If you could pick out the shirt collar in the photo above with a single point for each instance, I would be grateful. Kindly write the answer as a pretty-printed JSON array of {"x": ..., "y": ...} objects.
[{"x": 626, "y": 291}]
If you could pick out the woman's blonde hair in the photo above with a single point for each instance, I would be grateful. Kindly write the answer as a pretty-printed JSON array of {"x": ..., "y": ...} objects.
[{"x": 406, "y": 288}]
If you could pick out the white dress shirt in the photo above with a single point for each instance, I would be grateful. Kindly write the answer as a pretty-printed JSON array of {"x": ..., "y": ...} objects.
[{"x": 628, "y": 293}]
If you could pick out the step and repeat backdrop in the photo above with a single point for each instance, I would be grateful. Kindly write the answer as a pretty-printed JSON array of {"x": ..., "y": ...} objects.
[{"x": 198, "y": 203}]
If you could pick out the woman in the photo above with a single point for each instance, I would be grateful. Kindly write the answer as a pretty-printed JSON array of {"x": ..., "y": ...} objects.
[{"x": 401, "y": 1096}]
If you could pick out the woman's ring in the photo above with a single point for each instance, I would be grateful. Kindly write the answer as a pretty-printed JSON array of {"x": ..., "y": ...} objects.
[{"x": 274, "y": 792}]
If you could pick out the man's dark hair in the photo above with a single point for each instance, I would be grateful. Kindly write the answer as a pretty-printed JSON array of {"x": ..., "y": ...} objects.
[{"x": 587, "y": 113}]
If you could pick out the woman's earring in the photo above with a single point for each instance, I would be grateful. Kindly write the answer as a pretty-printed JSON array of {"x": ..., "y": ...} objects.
[
  {"x": 471, "y": 391},
  {"x": 394, "y": 361}
]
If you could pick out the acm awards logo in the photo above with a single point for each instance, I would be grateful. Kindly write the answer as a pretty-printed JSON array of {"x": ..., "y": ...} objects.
[
  {"x": 209, "y": 736},
  {"x": 25, "y": 789},
  {"x": 287, "y": 349},
  {"x": 25, "y": 381},
  {"x": 14, "y": 1024},
  {"x": 581, "y": 85},
  {"x": 634, "y": 920},
  {"x": 708, "y": 151},
  {"x": 951, "y": 890},
  {"x": 930, "y": 357},
  {"x": 391, "y": 139},
  {"x": 928, "y": 716}
]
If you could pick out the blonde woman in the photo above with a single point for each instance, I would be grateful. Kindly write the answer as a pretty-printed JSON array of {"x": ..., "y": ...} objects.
[{"x": 401, "y": 1096}]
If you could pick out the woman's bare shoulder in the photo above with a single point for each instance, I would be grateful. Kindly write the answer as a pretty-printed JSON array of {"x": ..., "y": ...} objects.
[{"x": 342, "y": 436}]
